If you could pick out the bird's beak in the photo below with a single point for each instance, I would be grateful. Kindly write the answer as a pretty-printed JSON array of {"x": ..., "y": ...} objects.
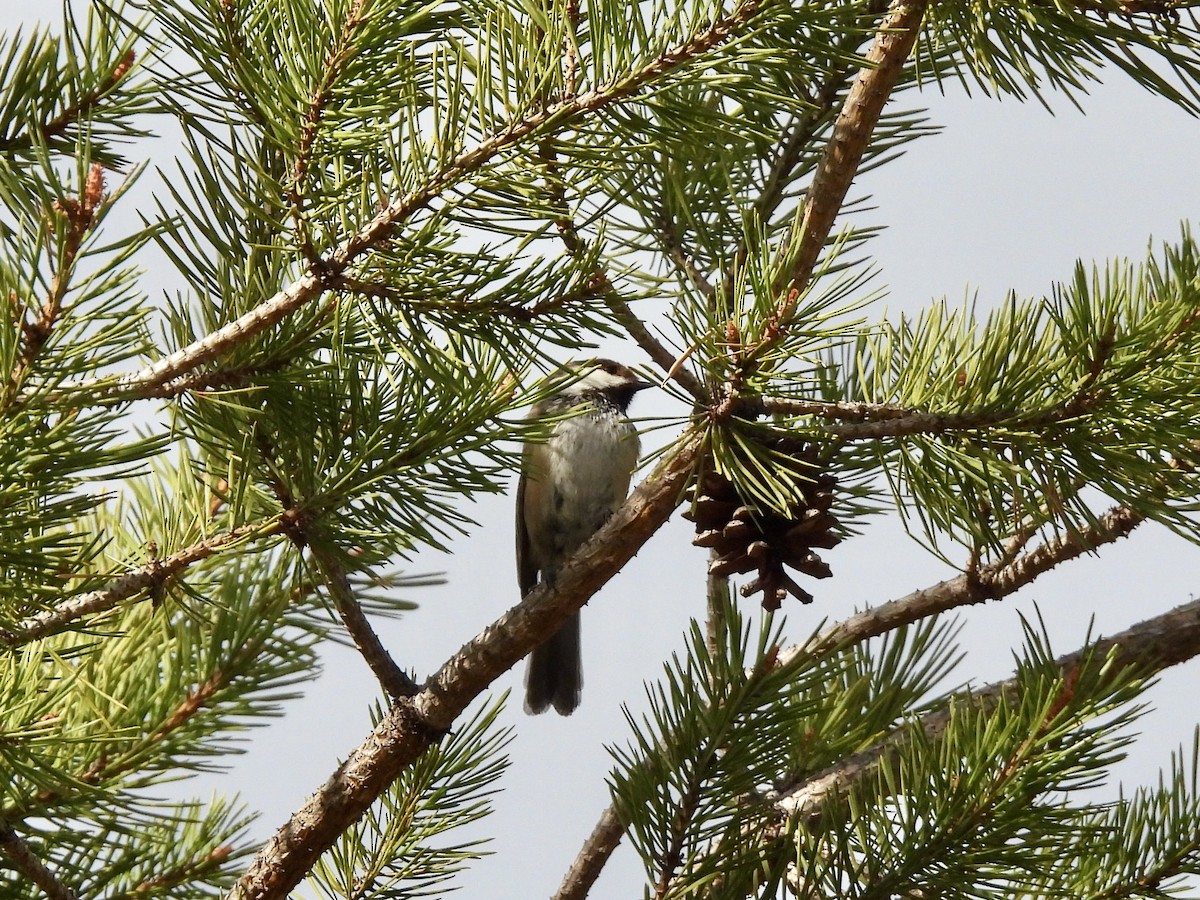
[{"x": 641, "y": 386}]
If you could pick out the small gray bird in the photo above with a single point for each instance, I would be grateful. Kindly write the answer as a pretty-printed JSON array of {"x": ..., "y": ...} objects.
[{"x": 570, "y": 485}]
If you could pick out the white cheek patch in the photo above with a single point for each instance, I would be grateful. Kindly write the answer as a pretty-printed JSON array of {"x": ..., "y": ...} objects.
[{"x": 598, "y": 380}]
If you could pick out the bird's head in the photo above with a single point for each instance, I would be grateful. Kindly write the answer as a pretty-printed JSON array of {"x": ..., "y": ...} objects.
[{"x": 611, "y": 380}]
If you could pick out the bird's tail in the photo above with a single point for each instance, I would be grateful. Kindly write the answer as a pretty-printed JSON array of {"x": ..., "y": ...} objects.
[{"x": 554, "y": 676}]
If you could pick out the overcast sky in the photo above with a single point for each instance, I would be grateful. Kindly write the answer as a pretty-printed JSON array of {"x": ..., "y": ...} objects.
[{"x": 1007, "y": 197}]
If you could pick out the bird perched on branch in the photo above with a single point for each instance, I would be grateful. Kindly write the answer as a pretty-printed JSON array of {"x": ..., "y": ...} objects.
[{"x": 570, "y": 485}]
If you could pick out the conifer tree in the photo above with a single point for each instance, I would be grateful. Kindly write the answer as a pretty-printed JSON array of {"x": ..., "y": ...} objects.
[{"x": 387, "y": 221}]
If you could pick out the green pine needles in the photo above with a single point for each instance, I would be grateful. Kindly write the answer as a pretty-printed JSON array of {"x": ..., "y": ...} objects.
[
  {"x": 279, "y": 280},
  {"x": 966, "y": 794}
]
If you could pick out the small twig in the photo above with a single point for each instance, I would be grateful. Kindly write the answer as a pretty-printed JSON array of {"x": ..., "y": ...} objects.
[
  {"x": 72, "y": 113},
  {"x": 214, "y": 380},
  {"x": 988, "y": 583},
  {"x": 571, "y": 51},
  {"x": 576, "y": 246},
  {"x": 88, "y": 101},
  {"x": 655, "y": 349},
  {"x": 672, "y": 856},
  {"x": 150, "y": 577},
  {"x": 827, "y": 409},
  {"x": 188, "y": 871},
  {"x": 869, "y": 421},
  {"x": 339, "y": 55},
  {"x": 25, "y": 861},
  {"x": 80, "y": 213},
  {"x": 718, "y": 597},
  {"x": 683, "y": 260},
  {"x": 789, "y": 154},
  {"x": 391, "y": 677},
  {"x": 449, "y": 306}
]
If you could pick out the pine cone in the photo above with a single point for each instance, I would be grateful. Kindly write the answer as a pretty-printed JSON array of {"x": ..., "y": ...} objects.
[{"x": 746, "y": 539}]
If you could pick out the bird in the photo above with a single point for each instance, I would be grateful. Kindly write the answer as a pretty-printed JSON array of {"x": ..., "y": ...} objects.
[{"x": 571, "y": 483}]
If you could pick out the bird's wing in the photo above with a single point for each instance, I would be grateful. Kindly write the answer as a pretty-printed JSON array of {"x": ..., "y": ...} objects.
[{"x": 528, "y": 498}]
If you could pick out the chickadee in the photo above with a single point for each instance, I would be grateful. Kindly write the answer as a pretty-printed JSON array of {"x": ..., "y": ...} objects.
[{"x": 570, "y": 485}]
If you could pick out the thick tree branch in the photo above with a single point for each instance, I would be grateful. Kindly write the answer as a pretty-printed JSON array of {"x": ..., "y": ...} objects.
[
  {"x": 1150, "y": 646},
  {"x": 413, "y": 724},
  {"x": 25, "y": 861},
  {"x": 313, "y": 284},
  {"x": 852, "y": 132},
  {"x": 152, "y": 577}
]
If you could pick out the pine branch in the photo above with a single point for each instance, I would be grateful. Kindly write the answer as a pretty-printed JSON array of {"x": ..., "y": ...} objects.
[
  {"x": 1148, "y": 882},
  {"x": 571, "y": 50},
  {"x": 1150, "y": 647},
  {"x": 672, "y": 858},
  {"x": 213, "y": 380},
  {"x": 377, "y": 232},
  {"x": 670, "y": 239},
  {"x": 391, "y": 677},
  {"x": 792, "y": 145},
  {"x": 75, "y": 112},
  {"x": 414, "y": 724},
  {"x": 577, "y": 247},
  {"x": 117, "y": 759},
  {"x": 988, "y": 583},
  {"x": 868, "y": 421},
  {"x": 592, "y": 856},
  {"x": 852, "y": 132},
  {"x": 338, "y": 58},
  {"x": 80, "y": 213},
  {"x": 192, "y": 870},
  {"x": 151, "y": 578},
  {"x": 1158, "y": 8},
  {"x": 25, "y": 861},
  {"x": 489, "y": 307}
]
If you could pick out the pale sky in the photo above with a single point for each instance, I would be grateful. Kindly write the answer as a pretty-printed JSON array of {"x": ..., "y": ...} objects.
[{"x": 1008, "y": 196}]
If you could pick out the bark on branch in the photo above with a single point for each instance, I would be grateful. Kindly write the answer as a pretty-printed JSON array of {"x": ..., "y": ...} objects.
[
  {"x": 1150, "y": 646},
  {"x": 152, "y": 576},
  {"x": 22, "y": 858},
  {"x": 394, "y": 681}
]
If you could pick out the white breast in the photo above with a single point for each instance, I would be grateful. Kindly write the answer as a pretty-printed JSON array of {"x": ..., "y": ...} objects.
[{"x": 590, "y": 461}]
